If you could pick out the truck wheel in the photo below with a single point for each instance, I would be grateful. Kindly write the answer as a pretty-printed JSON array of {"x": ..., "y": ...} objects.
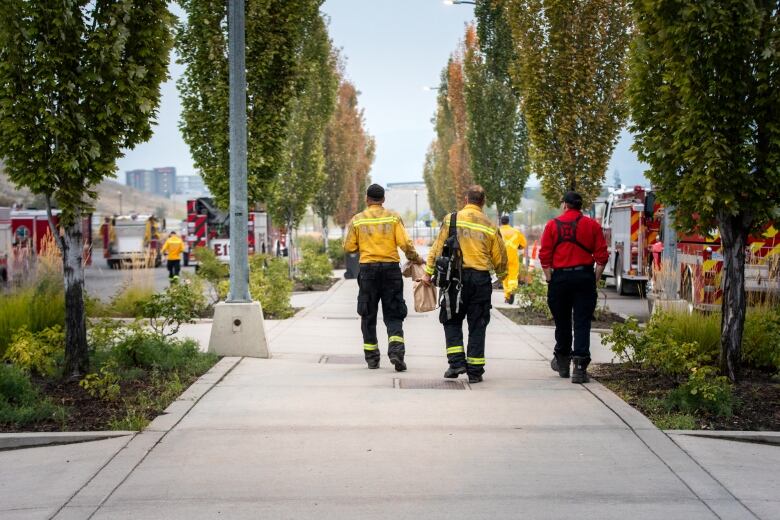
[
  {"x": 186, "y": 259},
  {"x": 620, "y": 286}
]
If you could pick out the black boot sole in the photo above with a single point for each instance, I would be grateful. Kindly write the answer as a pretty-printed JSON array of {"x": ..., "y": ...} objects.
[
  {"x": 475, "y": 379},
  {"x": 399, "y": 365},
  {"x": 554, "y": 365},
  {"x": 580, "y": 379},
  {"x": 456, "y": 374}
]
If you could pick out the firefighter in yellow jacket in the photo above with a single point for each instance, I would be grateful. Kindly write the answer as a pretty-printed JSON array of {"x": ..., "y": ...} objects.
[
  {"x": 378, "y": 233},
  {"x": 513, "y": 241},
  {"x": 482, "y": 249}
]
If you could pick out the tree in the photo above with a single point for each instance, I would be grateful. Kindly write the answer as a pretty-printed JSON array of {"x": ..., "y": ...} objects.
[
  {"x": 349, "y": 154},
  {"x": 569, "y": 65},
  {"x": 293, "y": 191},
  {"x": 459, "y": 159},
  {"x": 275, "y": 33},
  {"x": 704, "y": 95},
  {"x": 79, "y": 82},
  {"x": 497, "y": 135},
  {"x": 429, "y": 176}
]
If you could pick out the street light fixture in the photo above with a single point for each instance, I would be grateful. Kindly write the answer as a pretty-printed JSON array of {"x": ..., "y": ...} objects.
[
  {"x": 459, "y": 2},
  {"x": 428, "y": 89}
]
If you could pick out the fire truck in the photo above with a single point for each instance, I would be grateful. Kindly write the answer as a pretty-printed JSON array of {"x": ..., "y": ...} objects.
[
  {"x": 631, "y": 224},
  {"x": 23, "y": 233},
  {"x": 208, "y": 226},
  {"x": 633, "y": 219},
  {"x": 129, "y": 243}
]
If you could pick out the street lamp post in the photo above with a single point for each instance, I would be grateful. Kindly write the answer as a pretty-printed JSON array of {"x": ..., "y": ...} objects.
[
  {"x": 416, "y": 217},
  {"x": 238, "y": 328},
  {"x": 120, "y": 201}
]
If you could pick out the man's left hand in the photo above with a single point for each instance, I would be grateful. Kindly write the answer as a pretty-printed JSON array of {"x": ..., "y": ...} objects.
[{"x": 426, "y": 279}]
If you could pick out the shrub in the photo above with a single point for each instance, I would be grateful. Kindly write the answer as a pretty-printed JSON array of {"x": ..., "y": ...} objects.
[
  {"x": 310, "y": 245},
  {"x": 314, "y": 269},
  {"x": 761, "y": 340},
  {"x": 38, "y": 352},
  {"x": 35, "y": 306},
  {"x": 20, "y": 401},
  {"x": 627, "y": 341},
  {"x": 532, "y": 295},
  {"x": 209, "y": 266},
  {"x": 129, "y": 301},
  {"x": 180, "y": 303},
  {"x": 704, "y": 391},
  {"x": 104, "y": 385},
  {"x": 337, "y": 255},
  {"x": 269, "y": 282}
]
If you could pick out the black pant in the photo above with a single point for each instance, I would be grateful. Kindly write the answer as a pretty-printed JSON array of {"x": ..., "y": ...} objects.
[
  {"x": 475, "y": 308},
  {"x": 382, "y": 282},
  {"x": 174, "y": 268},
  {"x": 572, "y": 292}
]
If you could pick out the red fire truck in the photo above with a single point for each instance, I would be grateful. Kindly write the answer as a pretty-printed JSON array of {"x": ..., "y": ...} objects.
[
  {"x": 208, "y": 226},
  {"x": 630, "y": 225},
  {"x": 632, "y": 220},
  {"x": 22, "y": 235}
]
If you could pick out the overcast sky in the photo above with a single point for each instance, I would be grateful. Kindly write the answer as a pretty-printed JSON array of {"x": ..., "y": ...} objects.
[{"x": 394, "y": 48}]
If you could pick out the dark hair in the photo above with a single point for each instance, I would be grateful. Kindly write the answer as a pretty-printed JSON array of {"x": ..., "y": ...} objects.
[
  {"x": 505, "y": 219},
  {"x": 573, "y": 200},
  {"x": 375, "y": 192},
  {"x": 476, "y": 195}
]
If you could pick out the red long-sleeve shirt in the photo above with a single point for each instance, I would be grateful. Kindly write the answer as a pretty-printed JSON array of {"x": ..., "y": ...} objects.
[{"x": 568, "y": 254}]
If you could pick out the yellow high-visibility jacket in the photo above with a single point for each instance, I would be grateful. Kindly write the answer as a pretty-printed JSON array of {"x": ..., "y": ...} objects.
[
  {"x": 174, "y": 246},
  {"x": 378, "y": 233},
  {"x": 479, "y": 240},
  {"x": 513, "y": 237}
]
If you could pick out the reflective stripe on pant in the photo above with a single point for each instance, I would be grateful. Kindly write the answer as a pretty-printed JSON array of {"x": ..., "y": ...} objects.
[
  {"x": 572, "y": 292},
  {"x": 475, "y": 309},
  {"x": 382, "y": 283}
]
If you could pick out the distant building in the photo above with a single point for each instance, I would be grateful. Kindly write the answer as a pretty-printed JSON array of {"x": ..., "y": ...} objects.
[
  {"x": 408, "y": 198},
  {"x": 165, "y": 181},
  {"x": 160, "y": 181},
  {"x": 191, "y": 184}
]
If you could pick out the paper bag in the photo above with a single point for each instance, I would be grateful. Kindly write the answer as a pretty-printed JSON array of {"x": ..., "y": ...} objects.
[
  {"x": 425, "y": 297},
  {"x": 413, "y": 271}
]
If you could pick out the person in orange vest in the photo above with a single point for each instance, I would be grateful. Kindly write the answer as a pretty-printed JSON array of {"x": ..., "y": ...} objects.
[
  {"x": 514, "y": 241},
  {"x": 173, "y": 248}
]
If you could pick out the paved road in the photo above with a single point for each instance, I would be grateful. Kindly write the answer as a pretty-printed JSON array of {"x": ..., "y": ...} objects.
[{"x": 312, "y": 433}]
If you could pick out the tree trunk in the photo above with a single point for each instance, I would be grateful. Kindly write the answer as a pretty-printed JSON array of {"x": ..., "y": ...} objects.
[
  {"x": 325, "y": 233},
  {"x": 734, "y": 234}
]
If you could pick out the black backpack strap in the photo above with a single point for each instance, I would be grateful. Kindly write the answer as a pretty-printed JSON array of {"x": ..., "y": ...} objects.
[
  {"x": 453, "y": 224},
  {"x": 560, "y": 225}
]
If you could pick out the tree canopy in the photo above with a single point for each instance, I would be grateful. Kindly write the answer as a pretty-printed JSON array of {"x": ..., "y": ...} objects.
[
  {"x": 275, "y": 35},
  {"x": 292, "y": 191},
  {"x": 569, "y": 65},
  {"x": 79, "y": 82},
  {"x": 704, "y": 97}
]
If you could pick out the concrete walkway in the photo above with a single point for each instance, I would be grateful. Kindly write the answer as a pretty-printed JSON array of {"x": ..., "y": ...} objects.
[{"x": 312, "y": 433}]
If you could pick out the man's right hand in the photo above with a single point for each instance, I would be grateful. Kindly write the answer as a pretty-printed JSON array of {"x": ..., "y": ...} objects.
[{"x": 426, "y": 279}]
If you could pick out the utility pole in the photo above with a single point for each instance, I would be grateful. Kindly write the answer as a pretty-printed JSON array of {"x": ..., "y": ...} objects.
[{"x": 238, "y": 328}]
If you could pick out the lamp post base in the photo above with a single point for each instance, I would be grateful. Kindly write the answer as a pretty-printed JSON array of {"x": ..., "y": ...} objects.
[{"x": 238, "y": 330}]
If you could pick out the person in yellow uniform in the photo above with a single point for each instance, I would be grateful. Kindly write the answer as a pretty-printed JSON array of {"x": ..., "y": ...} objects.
[
  {"x": 482, "y": 249},
  {"x": 377, "y": 233},
  {"x": 173, "y": 247},
  {"x": 514, "y": 240}
]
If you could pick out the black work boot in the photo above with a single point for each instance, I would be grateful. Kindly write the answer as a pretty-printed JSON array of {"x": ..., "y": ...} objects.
[
  {"x": 561, "y": 364},
  {"x": 373, "y": 363},
  {"x": 510, "y": 300},
  {"x": 475, "y": 378},
  {"x": 398, "y": 362},
  {"x": 454, "y": 372},
  {"x": 580, "y": 373}
]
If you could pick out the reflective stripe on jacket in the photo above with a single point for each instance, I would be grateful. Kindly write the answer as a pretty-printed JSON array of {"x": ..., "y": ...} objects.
[
  {"x": 480, "y": 242},
  {"x": 377, "y": 233}
]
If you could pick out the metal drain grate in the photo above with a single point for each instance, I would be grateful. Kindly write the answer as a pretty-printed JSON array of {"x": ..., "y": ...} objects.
[
  {"x": 343, "y": 360},
  {"x": 428, "y": 384}
]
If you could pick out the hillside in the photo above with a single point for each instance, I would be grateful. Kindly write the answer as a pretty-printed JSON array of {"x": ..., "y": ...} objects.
[{"x": 108, "y": 199}]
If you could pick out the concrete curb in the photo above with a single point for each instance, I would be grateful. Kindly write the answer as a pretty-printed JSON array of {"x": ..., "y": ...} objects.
[
  {"x": 698, "y": 480},
  {"x": 90, "y": 497},
  {"x": 738, "y": 436},
  {"x": 11, "y": 441}
]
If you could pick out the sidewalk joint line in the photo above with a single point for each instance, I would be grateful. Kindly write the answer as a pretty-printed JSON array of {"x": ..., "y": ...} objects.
[
  {"x": 90, "y": 479},
  {"x": 657, "y": 455},
  {"x": 705, "y": 470}
]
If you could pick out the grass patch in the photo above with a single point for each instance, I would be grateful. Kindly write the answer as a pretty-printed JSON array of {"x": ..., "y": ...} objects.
[{"x": 35, "y": 307}]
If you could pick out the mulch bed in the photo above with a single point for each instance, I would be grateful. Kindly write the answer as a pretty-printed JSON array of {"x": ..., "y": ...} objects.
[
  {"x": 605, "y": 319},
  {"x": 84, "y": 412},
  {"x": 299, "y": 287},
  {"x": 756, "y": 396}
]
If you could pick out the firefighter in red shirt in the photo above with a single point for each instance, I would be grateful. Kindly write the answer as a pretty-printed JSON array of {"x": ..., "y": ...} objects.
[{"x": 571, "y": 244}]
